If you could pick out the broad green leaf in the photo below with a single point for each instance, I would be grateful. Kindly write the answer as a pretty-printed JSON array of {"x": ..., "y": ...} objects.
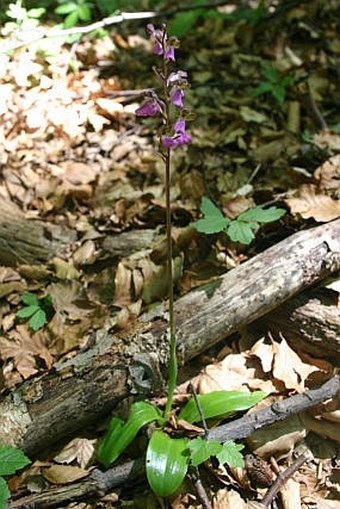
[
  {"x": 71, "y": 20},
  {"x": 120, "y": 435},
  {"x": 262, "y": 88},
  {"x": 279, "y": 92},
  {"x": 4, "y": 493},
  {"x": 240, "y": 231},
  {"x": 66, "y": 8},
  {"x": 30, "y": 299},
  {"x": 38, "y": 320},
  {"x": 261, "y": 215},
  {"x": 167, "y": 461},
  {"x": 27, "y": 311},
  {"x": 220, "y": 403},
  {"x": 201, "y": 450},
  {"x": 214, "y": 221},
  {"x": 230, "y": 454},
  {"x": 84, "y": 13},
  {"x": 11, "y": 460}
]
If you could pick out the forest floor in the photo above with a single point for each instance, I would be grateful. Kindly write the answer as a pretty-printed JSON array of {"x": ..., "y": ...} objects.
[{"x": 73, "y": 153}]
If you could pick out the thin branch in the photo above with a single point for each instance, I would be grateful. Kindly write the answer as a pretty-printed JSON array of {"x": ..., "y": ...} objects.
[{"x": 281, "y": 479}]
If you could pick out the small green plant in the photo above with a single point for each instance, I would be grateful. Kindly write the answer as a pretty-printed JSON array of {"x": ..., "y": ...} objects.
[
  {"x": 243, "y": 228},
  {"x": 273, "y": 84},
  {"x": 36, "y": 310},
  {"x": 11, "y": 460},
  {"x": 168, "y": 458},
  {"x": 22, "y": 18},
  {"x": 76, "y": 11}
]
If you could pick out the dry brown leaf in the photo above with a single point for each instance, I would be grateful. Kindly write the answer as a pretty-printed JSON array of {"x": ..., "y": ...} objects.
[
  {"x": 23, "y": 348},
  {"x": 80, "y": 449},
  {"x": 328, "y": 174},
  {"x": 310, "y": 203},
  {"x": 290, "y": 495},
  {"x": 288, "y": 367},
  {"x": 123, "y": 277},
  {"x": 64, "y": 474}
]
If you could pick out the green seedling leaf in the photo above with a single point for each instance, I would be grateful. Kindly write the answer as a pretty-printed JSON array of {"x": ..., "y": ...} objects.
[
  {"x": 214, "y": 221},
  {"x": 27, "y": 311},
  {"x": 167, "y": 461},
  {"x": 11, "y": 460},
  {"x": 66, "y": 8},
  {"x": 38, "y": 320},
  {"x": 120, "y": 435},
  {"x": 30, "y": 299},
  {"x": 230, "y": 454},
  {"x": 260, "y": 215},
  {"x": 4, "y": 493},
  {"x": 262, "y": 88},
  {"x": 201, "y": 450},
  {"x": 220, "y": 403},
  {"x": 240, "y": 231}
]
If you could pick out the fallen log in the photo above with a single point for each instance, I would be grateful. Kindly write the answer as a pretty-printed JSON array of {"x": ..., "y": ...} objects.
[
  {"x": 99, "y": 483},
  {"x": 48, "y": 408}
]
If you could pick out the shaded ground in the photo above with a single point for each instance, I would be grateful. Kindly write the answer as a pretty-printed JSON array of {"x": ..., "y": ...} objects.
[{"x": 74, "y": 154}]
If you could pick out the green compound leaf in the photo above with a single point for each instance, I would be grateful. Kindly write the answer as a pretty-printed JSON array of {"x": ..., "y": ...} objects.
[
  {"x": 27, "y": 311},
  {"x": 120, "y": 435},
  {"x": 240, "y": 231},
  {"x": 213, "y": 221},
  {"x": 167, "y": 461},
  {"x": 30, "y": 299},
  {"x": 260, "y": 215},
  {"x": 4, "y": 493},
  {"x": 220, "y": 403},
  {"x": 11, "y": 460},
  {"x": 201, "y": 450},
  {"x": 230, "y": 454},
  {"x": 38, "y": 320}
]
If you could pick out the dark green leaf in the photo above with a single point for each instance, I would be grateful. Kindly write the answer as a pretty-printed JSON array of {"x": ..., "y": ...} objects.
[
  {"x": 239, "y": 231},
  {"x": 119, "y": 436},
  {"x": 27, "y": 311},
  {"x": 183, "y": 23},
  {"x": 220, "y": 403},
  {"x": 30, "y": 299},
  {"x": 260, "y": 215},
  {"x": 214, "y": 221},
  {"x": 201, "y": 450},
  {"x": 11, "y": 460},
  {"x": 262, "y": 88},
  {"x": 270, "y": 73},
  {"x": 38, "y": 320},
  {"x": 279, "y": 92},
  {"x": 230, "y": 454},
  {"x": 167, "y": 461},
  {"x": 4, "y": 493}
]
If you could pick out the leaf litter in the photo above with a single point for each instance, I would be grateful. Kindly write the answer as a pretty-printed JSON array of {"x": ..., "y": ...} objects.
[{"x": 72, "y": 154}]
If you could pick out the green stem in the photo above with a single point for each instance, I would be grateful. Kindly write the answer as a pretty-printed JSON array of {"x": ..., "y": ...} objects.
[{"x": 173, "y": 354}]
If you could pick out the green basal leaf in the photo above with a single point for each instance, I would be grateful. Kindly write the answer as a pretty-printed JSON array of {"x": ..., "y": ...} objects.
[
  {"x": 120, "y": 435},
  {"x": 38, "y": 320},
  {"x": 214, "y": 221},
  {"x": 201, "y": 450},
  {"x": 30, "y": 299},
  {"x": 240, "y": 231},
  {"x": 230, "y": 454},
  {"x": 220, "y": 403},
  {"x": 4, "y": 493},
  {"x": 11, "y": 460},
  {"x": 167, "y": 461},
  {"x": 27, "y": 311},
  {"x": 260, "y": 215}
]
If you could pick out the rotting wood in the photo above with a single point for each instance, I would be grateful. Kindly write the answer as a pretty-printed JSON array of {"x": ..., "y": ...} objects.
[
  {"x": 310, "y": 322},
  {"x": 98, "y": 483},
  {"x": 52, "y": 407}
]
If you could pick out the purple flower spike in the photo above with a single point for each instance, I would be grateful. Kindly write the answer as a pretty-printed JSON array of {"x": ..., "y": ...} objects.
[
  {"x": 177, "y": 96},
  {"x": 180, "y": 137},
  {"x": 170, "y": 54},
  {"x": 149, "y": 109}
]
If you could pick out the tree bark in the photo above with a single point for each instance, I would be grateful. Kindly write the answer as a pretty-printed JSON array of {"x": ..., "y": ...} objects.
[{"x": 80, "y": 391}]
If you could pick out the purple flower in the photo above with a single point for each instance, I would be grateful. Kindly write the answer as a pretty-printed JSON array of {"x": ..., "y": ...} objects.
[
  {"x": 180, "y": 137},
  {"x": 176, "y": 97},
  {"x": 148, "y": 109},
  {"x": 161, "y": 45},
  {"x": 177, "y": 78}
]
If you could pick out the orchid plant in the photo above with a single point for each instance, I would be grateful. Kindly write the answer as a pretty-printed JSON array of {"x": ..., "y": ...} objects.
[{"x": 167, "y": 458}]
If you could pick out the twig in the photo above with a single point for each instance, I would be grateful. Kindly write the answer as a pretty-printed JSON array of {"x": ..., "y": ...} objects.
[
  {"x": 281, "y": 479},
  {"x": 195, "y": 477},
  {"x": 200, "y": 411}
]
